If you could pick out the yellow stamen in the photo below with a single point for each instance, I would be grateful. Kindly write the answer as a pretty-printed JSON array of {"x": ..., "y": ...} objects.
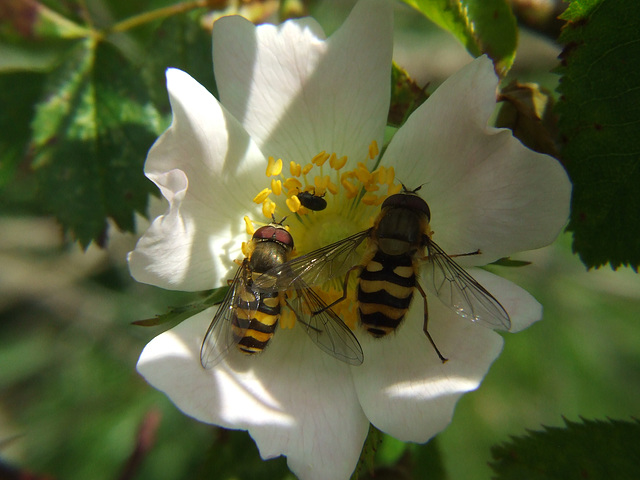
[
  {"x": 268, "y": 208},
  {"x": 295, "y": 169},
  {"x": 362, "y": 173},
  {"x": 320, "y": 158},
  {"x": 391, "y": 176},
  {"x": 321, "y": 183},
  {"x": 293, "y": 203},
  {"x": 373, "y": 150},
  {"x": 287, "y": 318},
  {"x": 274, "y": 167},
  {"x": 370, "y": 199},
  {"x": 307, "y": 168},
  {"x": 262, "y": 196},
  {"x": 292, "y": 184},
  {"x": 337, "y": 163},
  {"x": 333, "y": 188},
  {"x": 249, "y": 226},
  {"x": 393, "y": 189},
  {"x": 276, "y": 186}
]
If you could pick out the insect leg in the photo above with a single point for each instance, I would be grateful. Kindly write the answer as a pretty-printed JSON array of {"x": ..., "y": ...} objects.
[
  {"x": 426, "y": 321},
  {"x": 344, "y": 289}
]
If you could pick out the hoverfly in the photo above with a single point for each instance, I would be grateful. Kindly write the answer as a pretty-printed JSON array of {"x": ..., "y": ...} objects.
[
  {"x": 312, "y": 201},
  {"x": 248, "y": 319},
  {"x": 397, "y": 245}
]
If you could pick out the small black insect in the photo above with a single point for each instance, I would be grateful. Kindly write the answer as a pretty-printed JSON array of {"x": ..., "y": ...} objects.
[{"x": 312, "y": 201}]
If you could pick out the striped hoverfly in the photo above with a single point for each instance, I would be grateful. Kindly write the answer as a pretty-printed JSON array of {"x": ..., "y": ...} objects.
[
  {"x": 398, "y": 244},
  {"x": 247, "y": 319}
]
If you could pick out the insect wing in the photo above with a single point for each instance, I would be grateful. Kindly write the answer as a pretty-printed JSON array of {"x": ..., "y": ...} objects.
[
  {"x": 314, "y": 268},
  {"x": 460, "y": 291},
  {"x": 220, "y": 337},
  {"x": 325, "y": 328}
]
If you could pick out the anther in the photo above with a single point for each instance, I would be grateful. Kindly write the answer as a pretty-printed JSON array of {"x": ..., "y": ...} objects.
[
  {"x": 373, "y": 150},
  {"x": 274, "y": 167},
  {"x": 268, "y": 208},
  {"x": 249, "y": 226},
  {"x": 276, "y": 186},
  {"x": 262, "y": 196},
  {"x": 320, "y": 158},
  {"x": 337, "y": 163},
  {"x": 293, "y": 203}
]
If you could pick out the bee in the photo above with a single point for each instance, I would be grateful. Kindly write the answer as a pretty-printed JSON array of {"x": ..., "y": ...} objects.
[
  {"x": 247, "y": 319},
  {"x": 398, "y": 244},
  {"x": 312, "y": 201}
]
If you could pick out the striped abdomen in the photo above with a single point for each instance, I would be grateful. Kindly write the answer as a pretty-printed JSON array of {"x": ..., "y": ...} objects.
[
  {"x": 385, "y": 290},
  {"x": 254, "y": 321}
]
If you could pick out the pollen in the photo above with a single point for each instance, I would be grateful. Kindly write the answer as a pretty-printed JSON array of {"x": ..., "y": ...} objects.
[
  {"x": 268, "y": 208},
  {"x": 249, "y": 226},
  {"x": 307, "y": 168},
  {"x": 293, "y": 203},
  {"x": 295, "y": 169},
  {"x": 262, "y": 196},
  {"x": 292, "y": 184},
  {"x": 373, "y": 150},
  {"x": 320, "y": 158},
  {"x": 274, "y": 167},
  {"x": 276, "y": 186},
  {"x": 371, "y": 199},
  {"x": 287, "y": 318},
  {"x": 337, "y": 163}
]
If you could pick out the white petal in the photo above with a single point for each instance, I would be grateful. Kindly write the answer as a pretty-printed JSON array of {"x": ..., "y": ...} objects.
[
  {"x": 485, "y": 189},
  {"x": 521, "y": 306},
  {"x": 294, "y": 399},
  {"x": 298, "y": 94},
  {"x": 403, "y": 387},
  {"x": 209, "y": 170}
]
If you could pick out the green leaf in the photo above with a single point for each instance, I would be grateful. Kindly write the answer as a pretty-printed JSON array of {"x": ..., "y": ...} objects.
[
  {"x": 406, "y": 96},
  {"x": 179, "y": 42},
  {"x": 181, "y": 313},
  {"x": 482, "y": 26},
  {"x": 366, "y": 463},
  {"x": 599, "y": 128},
  {"x": 91, "y": 133},
  {"x": 594, "y": 450}
]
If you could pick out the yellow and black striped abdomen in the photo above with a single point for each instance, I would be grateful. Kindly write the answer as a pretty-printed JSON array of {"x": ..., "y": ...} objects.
[
  {"x": 385, "y": 290},
  {"x": 254, "y": 321}
]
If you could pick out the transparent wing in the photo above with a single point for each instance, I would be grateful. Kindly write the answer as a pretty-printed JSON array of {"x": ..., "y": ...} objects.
[
  {"x": 325, "y": 328},
  {"x": 460, "y": 291},
  {"x": 314, "y": 268},
  {"x": 220, "y": 337}
]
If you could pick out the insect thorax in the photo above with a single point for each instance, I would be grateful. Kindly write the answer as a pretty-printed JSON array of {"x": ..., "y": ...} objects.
[
  {"x": 398, "y": 231},
  {"x": 267, "y": 255}
]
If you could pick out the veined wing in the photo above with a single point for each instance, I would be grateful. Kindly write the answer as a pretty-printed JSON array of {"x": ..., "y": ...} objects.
[
  {"x": 325, "y": 328},
  {"x": 460, "y": 291},
  {"x": 220, "y": 337},
  {"x": 313, "y": 268}
]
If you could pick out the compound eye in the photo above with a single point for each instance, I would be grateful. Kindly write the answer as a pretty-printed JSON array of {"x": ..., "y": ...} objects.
[{"x": 276, "y": 233}]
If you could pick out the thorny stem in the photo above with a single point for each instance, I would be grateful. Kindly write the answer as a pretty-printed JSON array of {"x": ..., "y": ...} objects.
[{"x": 164, "y": 12}]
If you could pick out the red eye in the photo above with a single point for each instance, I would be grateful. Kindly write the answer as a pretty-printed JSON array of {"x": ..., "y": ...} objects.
[{"x": 276, "y": 233}]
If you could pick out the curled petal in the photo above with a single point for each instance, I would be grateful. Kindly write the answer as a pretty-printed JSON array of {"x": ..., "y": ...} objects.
[
  {"x": 203, "y": 164},
  {"x": 485, "y": 189},
  {"x": 298, "y": 94},
  {"x": 294, "y": 399}
]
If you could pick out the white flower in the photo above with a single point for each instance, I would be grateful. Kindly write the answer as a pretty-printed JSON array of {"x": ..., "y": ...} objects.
[{"x": 287, "y": 92}]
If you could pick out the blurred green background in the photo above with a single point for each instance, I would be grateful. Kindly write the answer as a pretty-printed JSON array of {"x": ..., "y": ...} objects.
[{"x": 73, "y": 407}]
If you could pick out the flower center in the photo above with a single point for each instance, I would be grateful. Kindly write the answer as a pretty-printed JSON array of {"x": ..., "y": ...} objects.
[{"x": 352, "y": 197}]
